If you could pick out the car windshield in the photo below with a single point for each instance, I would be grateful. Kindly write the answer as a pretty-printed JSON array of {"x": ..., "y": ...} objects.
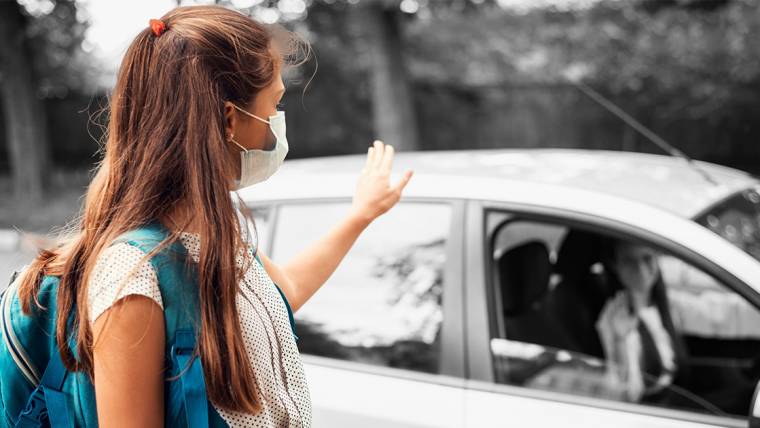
[{"x": 737, "y": 219}]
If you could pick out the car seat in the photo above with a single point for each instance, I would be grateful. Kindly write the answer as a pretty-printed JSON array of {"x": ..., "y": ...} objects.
[
  {"x": 524, "y": 272},
  {"x": 581, "y": 293}
]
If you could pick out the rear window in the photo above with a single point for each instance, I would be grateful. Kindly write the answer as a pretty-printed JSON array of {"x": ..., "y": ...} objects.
[{"x": 737, "y": 219}]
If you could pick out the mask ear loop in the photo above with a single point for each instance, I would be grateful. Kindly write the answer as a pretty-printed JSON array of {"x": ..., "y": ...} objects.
[
  {"x": 238, "y": 144},
  {"x": 251, "y": 114},
  {"x": 255, "y": 117}
]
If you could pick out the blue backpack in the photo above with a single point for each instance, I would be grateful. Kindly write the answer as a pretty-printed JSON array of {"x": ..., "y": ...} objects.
[{"x": 58, "y": 398}]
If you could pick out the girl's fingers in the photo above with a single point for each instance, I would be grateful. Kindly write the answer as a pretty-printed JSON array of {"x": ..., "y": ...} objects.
[
  {"x": 403, "y": 182},
  {"x": 379, "y": 151},
  {"x": 370, "y": 158},
  {"x": 387, "y": 161}
]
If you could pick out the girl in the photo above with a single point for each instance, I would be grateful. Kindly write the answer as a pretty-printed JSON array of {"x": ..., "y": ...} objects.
[{"x": 194, "y": 116}]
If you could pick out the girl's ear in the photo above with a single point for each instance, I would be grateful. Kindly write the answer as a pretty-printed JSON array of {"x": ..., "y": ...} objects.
[{"x": 230, "y": 120}]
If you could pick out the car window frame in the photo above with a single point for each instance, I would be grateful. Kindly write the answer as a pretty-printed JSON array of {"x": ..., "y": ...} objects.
[
  {"x": 264, "y": 241},
  {"x": 453, "y": 359},
  {"x": 479, "y": 292}
]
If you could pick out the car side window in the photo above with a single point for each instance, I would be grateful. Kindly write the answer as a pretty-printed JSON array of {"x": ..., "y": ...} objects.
[
  {"x": 586, "y": 313},
  {"x": 383, "y": 304}
]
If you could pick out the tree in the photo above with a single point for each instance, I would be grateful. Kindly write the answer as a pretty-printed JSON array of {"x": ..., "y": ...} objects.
[
  {"x": 681, "y": 67},
  {"x": 41, "y": 55},
  {"x": 24, "y": 114},
  {"x": 378, "y": 21},
  {"x": 393, "y": 113}
]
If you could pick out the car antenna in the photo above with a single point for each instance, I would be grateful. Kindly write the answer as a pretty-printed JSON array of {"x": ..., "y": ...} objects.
[{"x": 639, "y": 127}]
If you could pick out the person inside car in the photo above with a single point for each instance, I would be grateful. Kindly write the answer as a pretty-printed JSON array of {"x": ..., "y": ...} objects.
[
  {"x": 642, "y": 348},
  {"x": 641, "y": 325}
]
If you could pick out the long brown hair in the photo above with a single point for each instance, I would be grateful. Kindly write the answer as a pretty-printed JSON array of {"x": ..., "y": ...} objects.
[{"x": 165, "y": 147}]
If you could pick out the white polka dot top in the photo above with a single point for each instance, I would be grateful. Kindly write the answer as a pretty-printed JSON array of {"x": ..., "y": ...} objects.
[{"x": 264, "y": 321}]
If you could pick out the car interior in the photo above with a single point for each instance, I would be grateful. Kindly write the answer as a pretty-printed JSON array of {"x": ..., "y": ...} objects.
[{"x": 551, "y": 294}]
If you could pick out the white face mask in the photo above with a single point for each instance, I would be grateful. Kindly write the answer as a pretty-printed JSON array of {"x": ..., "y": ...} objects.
[{"x": 258, "y": 165}]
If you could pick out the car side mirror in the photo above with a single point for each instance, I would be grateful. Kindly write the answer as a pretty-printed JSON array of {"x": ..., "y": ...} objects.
[{"x": 754, "y": 409}]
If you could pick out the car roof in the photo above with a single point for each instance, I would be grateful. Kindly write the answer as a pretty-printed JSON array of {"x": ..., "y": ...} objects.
[{"x": 659, "y": 181}]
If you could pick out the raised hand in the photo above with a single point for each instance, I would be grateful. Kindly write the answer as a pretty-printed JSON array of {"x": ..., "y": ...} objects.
[{"x": 374, "y": 195}]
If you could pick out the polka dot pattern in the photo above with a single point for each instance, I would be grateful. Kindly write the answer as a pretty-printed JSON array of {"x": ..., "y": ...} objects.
[
  {"x": 266, "y": 330},
  {"x": 110, "y": 279}
]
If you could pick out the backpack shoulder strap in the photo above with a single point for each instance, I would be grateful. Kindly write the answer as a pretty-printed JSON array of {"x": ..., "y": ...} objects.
[
  {"x": 176, "y": 277},
  {"x": 48, "y": 400},
  {"x": 177, "y": 282}
]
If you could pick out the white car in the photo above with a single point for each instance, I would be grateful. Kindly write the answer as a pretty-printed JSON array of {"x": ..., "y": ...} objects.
[{"x": 444, "y": 313}]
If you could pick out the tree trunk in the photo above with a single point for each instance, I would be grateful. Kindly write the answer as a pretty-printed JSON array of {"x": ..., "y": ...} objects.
[
  {"x": 393, "y": 113},
  {"x": 24, "y": 114}
]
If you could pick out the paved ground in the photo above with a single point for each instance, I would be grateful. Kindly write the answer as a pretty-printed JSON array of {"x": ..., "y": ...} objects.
[
  {"x": 14, "y": 253},
  {"x": 10, "y": 261},
  {"x": 61, "y": 203}
]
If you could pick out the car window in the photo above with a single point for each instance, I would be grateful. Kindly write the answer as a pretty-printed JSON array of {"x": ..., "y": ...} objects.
[
  {"x": 737, "y": 219},
  {"x": 383, "y": 304},
  {"x": 587, "y": 313},
  {"x": 259, "y": 223}
]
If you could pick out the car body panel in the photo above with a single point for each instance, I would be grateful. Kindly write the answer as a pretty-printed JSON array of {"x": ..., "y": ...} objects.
[
  {"x": 518, "y": 409},
  {"x": 346, "y": 394}
]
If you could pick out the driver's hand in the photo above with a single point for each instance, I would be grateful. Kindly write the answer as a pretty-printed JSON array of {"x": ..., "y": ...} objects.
[{"x": 617, "y": 314}]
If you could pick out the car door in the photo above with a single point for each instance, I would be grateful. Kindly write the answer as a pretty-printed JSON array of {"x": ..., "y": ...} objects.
[
  {"x": 382, "y": 339},
  {"x": 527, "y": 368}
]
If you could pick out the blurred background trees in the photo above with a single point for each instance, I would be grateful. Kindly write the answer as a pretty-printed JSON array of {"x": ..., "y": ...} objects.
[
  {"x": 492, "y": 73},
  {"x": 41, "y": 57},
  {"x": 426, "y": 75}
]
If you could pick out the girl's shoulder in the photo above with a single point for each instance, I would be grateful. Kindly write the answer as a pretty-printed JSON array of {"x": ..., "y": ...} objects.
[{"x": 120, "y": 270}]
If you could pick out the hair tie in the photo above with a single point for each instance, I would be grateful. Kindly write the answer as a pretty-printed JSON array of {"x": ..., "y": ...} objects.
[{"x": 157, "y": 26}]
